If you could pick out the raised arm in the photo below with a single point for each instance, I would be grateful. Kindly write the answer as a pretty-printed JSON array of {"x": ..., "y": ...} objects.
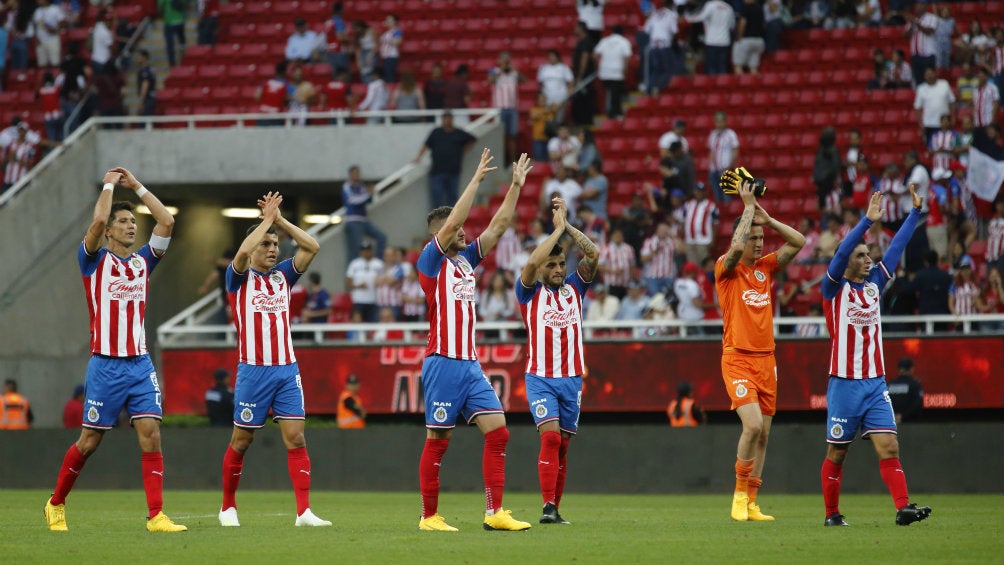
[
  {"x": 270, "y": 212},
  {"x": 503, "y": 216},
  {"x": 306, "y": 246},
  {"x": 587, "y": 267},
  {"x": 165, "y": 221},
  {"x": 451, "y": 226},
  {"x": 529, "y": 275},
  {"x": 742, "y": 232},
  {"x": 102, "y": 208},
  {"x": 793, "y": 240},
  {"x": 905, "y": 232},
  {"x": 842, "y": 256}
]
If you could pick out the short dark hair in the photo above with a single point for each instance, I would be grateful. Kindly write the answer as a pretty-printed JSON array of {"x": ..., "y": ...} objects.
[
  {"x": 314, "y": 277},
  {"x": 556, "y": 251},
  {"x": 118, "y": 206},
  {"x": 440, "y": 213},
  {"x": 280, "y": 68},
  {"x": 271, "y": 229},
  {"x": 735, "y": 224}
]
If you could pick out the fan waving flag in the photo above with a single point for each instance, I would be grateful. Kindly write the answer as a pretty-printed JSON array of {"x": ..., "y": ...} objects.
[{"x": 985, "y": 175}]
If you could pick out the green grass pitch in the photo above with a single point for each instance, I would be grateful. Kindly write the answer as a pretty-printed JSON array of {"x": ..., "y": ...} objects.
[{"x": 107, "y": 527}]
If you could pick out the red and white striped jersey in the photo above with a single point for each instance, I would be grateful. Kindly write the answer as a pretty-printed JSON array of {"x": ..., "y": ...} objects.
[
  {"x": 997, "y": 59},
  {"x": 390, "y": 294},
  {"x": 260, "y": 303},
  {"x": 833, "y": 201},
  {"x": 995, "y": 238},
  {"x": 553, "y": 318},
  {"x": 412, "y": 289},
  {"x": 660, "y": 263},
  {"x": 617, "y": 261},
  {"x": 21, "y": 155},
  {"x": 852, "y": 318},
  {"x": 890, "y": 208},
  {"x": 941, "y": 141},
  {"x": 116, "y": 290},
  {"x": 984, "y": 99},
  {"x": 698, "y": 221},
  {"x": 505, "y": 91},
  {"x": 921, "y": 43},
  {"x": 451, "y": 293},
  {"x": 507, "y": 247},
  {"x": 965, "y": 293},
  {"x": 721, "y": 143},
  {"x": 49, "y": 97}
]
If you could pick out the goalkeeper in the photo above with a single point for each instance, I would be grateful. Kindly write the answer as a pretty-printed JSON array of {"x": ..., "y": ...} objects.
[{"x": 743, "y": 279}]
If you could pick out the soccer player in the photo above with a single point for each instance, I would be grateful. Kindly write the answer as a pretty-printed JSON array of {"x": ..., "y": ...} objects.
[
  {"x": 857, "y": 397},
  {"x": 743, "y": 279},
  {"x": 268, "y": 376},
  {"x": 551, "y": 306},
  {"x": 452, "y": 379},
  {"x": 119, "y": 372}
]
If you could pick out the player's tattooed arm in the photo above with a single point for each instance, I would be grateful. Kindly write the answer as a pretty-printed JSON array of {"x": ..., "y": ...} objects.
[
  {"x": 588, "y": 265},
  {"x": 739, "y": 239}
]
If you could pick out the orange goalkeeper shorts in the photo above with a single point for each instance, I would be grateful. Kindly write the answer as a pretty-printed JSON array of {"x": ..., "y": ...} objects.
[{"x": 751, "y": 377}]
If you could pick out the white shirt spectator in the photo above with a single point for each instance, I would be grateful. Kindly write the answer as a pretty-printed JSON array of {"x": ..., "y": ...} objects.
[
  {"x": 603, "y": 310},
  {"x": 722, "y": 144},
  {"x": 554, "y": 81},
  {"x": 377, "y": 96},
  {"x": 667, "y": 139},
  {"x": 920, "y": 176},
  {"x": 568, "y": 150},
  {"x": 719, "y": 19},
  {"x": 590, "y": 14},
  {"x": 876, "y": 11},
  {"x": 302, "y": 45},
  {"x": 614, "y": 51},
  {"x": 687, "y": 290},
  {"x": 661, "y": 26},
  {"x": 569, "y": 190},
  {"x": 44, "y": 18},
  {"x": 101, "y": 44},
  {"x": 935, "y": 100},
  {"x": 365, "y": 272}
]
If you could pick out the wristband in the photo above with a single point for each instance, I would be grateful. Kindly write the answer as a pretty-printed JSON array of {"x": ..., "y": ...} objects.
[
  {"x": 159, "y": 242},
  {"x": 108, "y": 186},
  {"x": 141, "y": 191}
]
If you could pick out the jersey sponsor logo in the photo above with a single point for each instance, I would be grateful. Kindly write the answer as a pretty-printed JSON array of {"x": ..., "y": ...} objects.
[
  {"x": 540, "y": 411},
  {"x": 759, "y": 275},
  {"x": 93, "y": 414},
  {"x": 741, "y": 391},
  {"x": 247, "y": 415},
  {"x": 559, "y": 319},
  {"x": 863, "y": 317},
  {"x": 264, "y": 302},
  {"x": 756, "y": 299},
  {"x": 464, "y": 290},
  {"x": 95, "y": 402},
  {"x": 836, "y": 431},
  {"x": 439, "y": 415},
  {"x": 121, "y": 289},
  {"x": 840, "y": 420}
]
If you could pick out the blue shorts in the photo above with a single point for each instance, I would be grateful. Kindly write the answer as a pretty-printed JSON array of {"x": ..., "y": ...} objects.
[
  {"x": 555, "y": 399},
  {"x": 260, "y": 387},
  {"x": 456, "y": 387},
  {"x": 510, "y": 120},
  {"x": 853, "y": 404},
  {"x": 114, "y": 382}
]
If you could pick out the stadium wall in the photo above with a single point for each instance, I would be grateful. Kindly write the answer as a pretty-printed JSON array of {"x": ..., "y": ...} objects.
[{"x": 938, "y": 458}]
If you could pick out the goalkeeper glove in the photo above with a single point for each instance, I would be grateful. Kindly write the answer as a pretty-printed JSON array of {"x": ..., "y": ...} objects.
[{"x": 732, "y": 178}]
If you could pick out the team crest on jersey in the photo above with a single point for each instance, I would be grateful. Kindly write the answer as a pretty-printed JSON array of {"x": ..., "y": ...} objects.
[
  {"x": 564, "y": 291},
  {"x": 540, "y": 411},
  {"x": 136, "y": 263},
  {"x": 759, "y": 275},
  {"x": 439, "y": 415},
  {"x": 93, "y": 414},
  {"x": 464, "y": 265},
  {"x": 247, "y": 415},
  {"x": 741, "y": 391},
  {"x": 871, "y": 292},
  {"x": 837, "y": 431},
  {"x": 276, "y": 277}
]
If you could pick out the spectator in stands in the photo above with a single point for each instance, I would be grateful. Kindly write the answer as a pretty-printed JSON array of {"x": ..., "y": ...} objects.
[
  {"x": 274, "y": 95},
  {"x": 583, "y": 66},
  {"x": 613, "y": 53},
  {"x": 593, "y": 226},
  {"x": 661, "y": 26},
  {"x": 365, "y": 48},
  {"x": 447, "y": 146},
  {"x": 965, "y": 290},
  {"x": 173, "y": 14},
  {"x": 850, "y": 161},
  {"x": 700, "y": 226},
  {"x": 124, "y": 30},
  {"x": 723, "y": 150},
  {"x": 541, "y": 116},
  {"x": 390, "y": 47},
  {"x": 675, "y": 134},
  {"x": 905, "y": 392},
  {"x": 377, "y": 96},
  {"x": 563, "y": 150},
  {"x": 617, "y": 261},
  {"x": 658, "y": 259},
  {"x": 588, "y": 151},
  {"x": 943, "y": 33},
  {"x": 75, "y": 74},
  {"x": 811, "y": 329},
  {"x": 915, "y": 173},
  {"x": 591, "y": 14},
  {"x": 407, "y": 96},
  {"x": 774, "y": 23},
  {"x": 603, "y": 307},
  {"x": 17, "y": 22},
  {"x": 995, "y": 236},
  {"x": 934, "y": 99},
  {"x": 808, "y": 253},
  {"x": 900, "y": 74},
  {"x": 360, "y": 280},
  {"x": 102, "y": 40},
  {"x": 997, "y": 61},
  {"x": 337, "y": 43},
  {"x": 891, "y": 183},
  {"x": 931, "y": 286},
  {"x": 986, "y": 99},
  {"x": 863, "y": 185},
  {"x": 457, "y": 93},
  {"x": 390, "y": 280},
  {"x": 595, "y": 190},
  {"x": 303, "y": 43},
  {"x": 220, "y": 400},
  {"x": 991, "y": 300},
  {"x": 15, "y": 410},
  {"x": 719, "y": 20},
  {"x": 336, "y": 94},
  {"x": 498, "y": 301},
  {"x": 505, "y": 80},
  {"x": 566, "y": 187},
  {"x": 413, "y": 303},
  {"x": 48, "y": 22},
  {"x": 677, "y": 170},
  {"x": 110, "y": 86},
  {"x": 965, "y": 85},
  {"x": 73, "y": 410},
  {"x": 634, "y": 303},
  {"x": 304, "y": 95},
  {"x": 48, "y": 95},
  {"x": 209, "y": 13},
  {"x": 7, "y": 14},
  {"x": 828, "y": 239},
  {"x": 920, "y": 31},
  {"x": 869, "y": 12},
  {"x": 18, "y": 157},
  {"x": 749, "y": 45},
  {"x": 881, "y": 70},
  {"x": 146, "y": 84},
  {"x": 692, "y": 302},
  {"x": 555, "y": 78},
  {"x": 826, "y": 167},
  {"x": 356, "y": 195},
  {"x": 657, "y": 308},
  {"x": 318, "y": 305},
  {"x": 637, "y": 220},
  {"x": 971, "y": 45},
  {"x": 435, "y": 89}
]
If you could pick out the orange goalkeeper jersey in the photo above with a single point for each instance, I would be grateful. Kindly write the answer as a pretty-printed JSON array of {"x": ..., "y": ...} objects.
[{"x": 745, "y": 299}]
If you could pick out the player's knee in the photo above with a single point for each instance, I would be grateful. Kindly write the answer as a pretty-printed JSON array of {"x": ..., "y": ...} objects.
[
  {"x": 294, "y": 440},
  {"x": 88, "y": 442},
  {"x": 753, "y": 430}
]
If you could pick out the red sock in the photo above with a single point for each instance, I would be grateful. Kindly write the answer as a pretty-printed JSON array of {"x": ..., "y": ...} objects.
[
  {"x": 153, "y": 481},
  {"x": 547, "y": 464},
  {"x": 233, "y": 466},
  {"x": 830, "y": 476},
  {"x": 753, "y": 487},
  {"x": 73, "y": 463},
  {"x": 743, "y": 469},
  {"x": 493, "y": 468},
  {"x": 298, "y": 464},
  {"x": 895, "y": 481},
  {"x": 428, "y": 474},
  {"x": 559, "y": 485}
]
